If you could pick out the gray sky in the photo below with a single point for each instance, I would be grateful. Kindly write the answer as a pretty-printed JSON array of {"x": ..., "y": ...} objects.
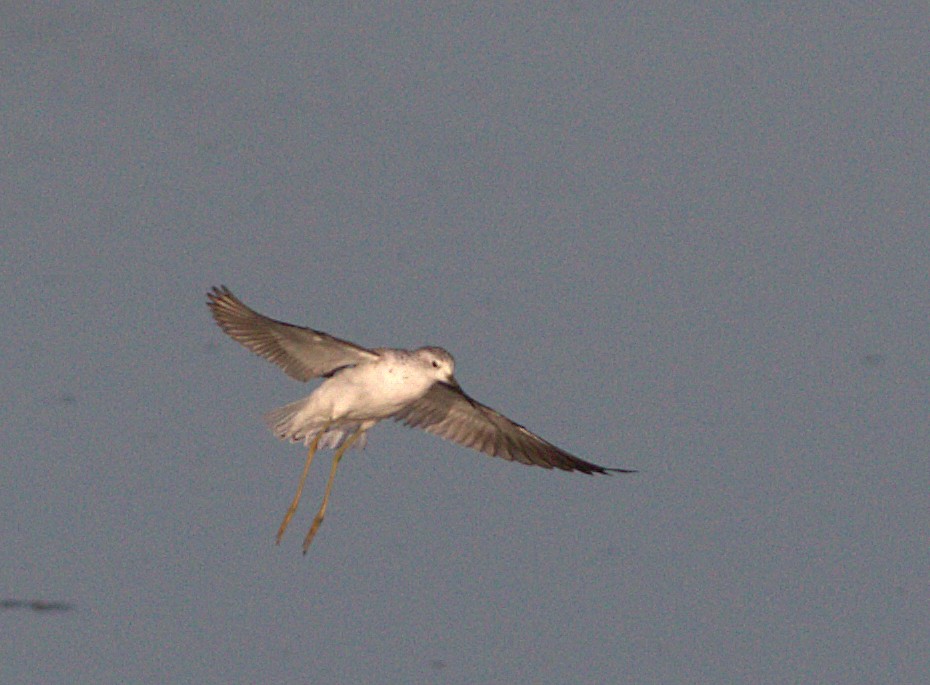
[{"x": 692, "y": 242}]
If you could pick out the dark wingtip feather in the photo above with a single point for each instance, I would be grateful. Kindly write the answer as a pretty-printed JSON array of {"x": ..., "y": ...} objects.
[{"x": 218, "y": 292}]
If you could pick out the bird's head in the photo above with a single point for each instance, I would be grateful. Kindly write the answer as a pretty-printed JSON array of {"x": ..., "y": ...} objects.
[{"x": 440, "y": 363}]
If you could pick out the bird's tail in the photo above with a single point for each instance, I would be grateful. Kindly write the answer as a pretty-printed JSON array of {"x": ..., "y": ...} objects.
[{"x": 284, "y": 424}]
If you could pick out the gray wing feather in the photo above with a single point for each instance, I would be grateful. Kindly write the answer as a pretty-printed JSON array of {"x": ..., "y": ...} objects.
[
  {"x": 303, "y": 353},
  {"x": 448, "y": 412}
]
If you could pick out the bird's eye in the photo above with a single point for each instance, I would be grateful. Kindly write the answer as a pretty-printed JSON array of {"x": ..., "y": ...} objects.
[{"x": 435, "y": 364}]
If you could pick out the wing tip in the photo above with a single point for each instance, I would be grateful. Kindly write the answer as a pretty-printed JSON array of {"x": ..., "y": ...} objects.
[
  {"x": 221, "y": 301},
  {"x": 218, "y": 291},
  {"x": 590, "y": 469},
  {"x": 613, "y": 470}
]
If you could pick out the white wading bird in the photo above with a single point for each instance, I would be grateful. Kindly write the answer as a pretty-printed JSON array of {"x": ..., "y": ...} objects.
[{"x": 364, "y": 386}]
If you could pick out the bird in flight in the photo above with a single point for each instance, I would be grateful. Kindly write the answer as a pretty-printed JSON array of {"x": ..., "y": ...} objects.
[{"x": 363, "y": 386}]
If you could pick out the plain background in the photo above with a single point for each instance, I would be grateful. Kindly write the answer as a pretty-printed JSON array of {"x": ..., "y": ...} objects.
[{"x": 689, "y": 240}]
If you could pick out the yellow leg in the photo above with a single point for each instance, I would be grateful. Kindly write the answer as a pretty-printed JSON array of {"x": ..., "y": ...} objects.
[
  {"x": 318, "y": 519},
  {"x": 300, "y": 486}
]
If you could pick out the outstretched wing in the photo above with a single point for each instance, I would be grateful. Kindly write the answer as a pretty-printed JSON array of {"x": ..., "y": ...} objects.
[
  {"x": 448, "y": 412},
  {"x": 303, "y": 353}
]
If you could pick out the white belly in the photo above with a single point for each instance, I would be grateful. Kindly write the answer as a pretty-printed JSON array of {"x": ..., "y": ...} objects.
[{"x": 371, "y": 391}]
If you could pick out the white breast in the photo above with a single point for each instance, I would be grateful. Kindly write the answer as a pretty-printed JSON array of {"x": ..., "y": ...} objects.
[{"x": 374, "y": 391}]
